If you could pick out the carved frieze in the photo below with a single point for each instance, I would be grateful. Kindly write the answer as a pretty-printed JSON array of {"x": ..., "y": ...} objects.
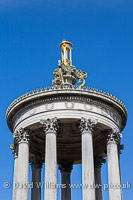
[
  {"x": 69, "y": 105},
  {"x": 67, "y": 102},
  {"x": 49, "y": 106}
]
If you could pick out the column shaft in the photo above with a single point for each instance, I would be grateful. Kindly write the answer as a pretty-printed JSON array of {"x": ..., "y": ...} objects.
[
  {"x": 87, "y": 167},
  {"x": 66, "y": 169},
  {"x": 98, "y": 161},
  {"x": 120, "y": 179},
  {"x": 50, "y": 167},
  {"x": 98, "y": 184},
  {"x": 23, "y": 167},
  {"x": 87, "y": 127},
  {"x": 113, "y": 171},
  {"x": 65, "y": 192},
  {"x": 15, "y": 177},
  {"x": 36, "y": 180},
  {"x": 120, "y": 147},
  {"x": 50, "y": 128}
]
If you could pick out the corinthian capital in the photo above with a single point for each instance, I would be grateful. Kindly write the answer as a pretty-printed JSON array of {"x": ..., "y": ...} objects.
[
  {"x": 112, "y": 135},
  {"x": 87, "y": 125},
  {"x": 50, "y": 125},
  {"x": 15, "y": 151},
  {"x": 99, "y": 161},
  {"x": 66, "y": 167},
  {"x": 35, "y": 162},
  {"x": 22, "y": 135},
  {"x": 14, "y": 147}
]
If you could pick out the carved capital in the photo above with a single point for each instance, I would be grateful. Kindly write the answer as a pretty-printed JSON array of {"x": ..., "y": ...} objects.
[
  {"x": 50, "y": 125},
  {"x": 99, "y": 161},
  {"x": 15, "y": 151},
  {"x": 87, "y": 125},
  {"x": 14, "y": 147},
  {"x": 112, "y": 135},
  {"x": 120, "y": 148},
  {"x": 65, "y": 167},
  {"x": 36, "y": 163},
  {"x": 22, "y": 136}
]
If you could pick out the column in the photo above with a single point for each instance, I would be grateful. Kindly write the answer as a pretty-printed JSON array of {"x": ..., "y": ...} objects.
[
  {"x": 120, "y": 147},
  {"x": 23, "y": 165},
  {"x": 65, "y": 169},
  {"x": 112, "y": 139},
  {"x": 98, "y": 161},
  {"x": 50, "y": 128},
  {"x": 36, "y": 167},
  {"x": 15, "y": 148},
  {"x": 87, "y": 127}
]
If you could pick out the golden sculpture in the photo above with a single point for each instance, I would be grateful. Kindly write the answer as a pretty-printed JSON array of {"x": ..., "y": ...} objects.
[
  {"x": 66, "y": 52},
  {"x": 83, "y": 83},
  {"x": 67, "y": 74}
]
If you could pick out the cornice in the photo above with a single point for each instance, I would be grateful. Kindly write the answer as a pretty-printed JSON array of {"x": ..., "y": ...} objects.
[
  {"x": 59, "y": 91},
  {"x": 50, "y": 89}
]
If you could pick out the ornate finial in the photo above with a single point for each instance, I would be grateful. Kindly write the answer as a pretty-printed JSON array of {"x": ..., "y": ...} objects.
[
  {"x": 66, "y": 74},
  {"x": 66, "y": 48}
]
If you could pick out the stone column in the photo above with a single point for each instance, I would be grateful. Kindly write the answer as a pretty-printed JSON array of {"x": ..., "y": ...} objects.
[
  {"x": 98, "y": 161},
  {"x": 36, "y": 166},
  {"x": 120, "y": 147},
  {"x": 50, "y": 128},
  {"x": 23, "y": 165},
  {"x": 86, "y": 127},
  {"x": 114, "y": 180},
  {"x": 65, "y": 169},
  {"x": 15, "y": 152}
]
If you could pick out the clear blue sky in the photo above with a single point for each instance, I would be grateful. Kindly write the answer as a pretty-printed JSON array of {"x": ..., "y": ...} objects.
[{"x": 102, "y": 36}]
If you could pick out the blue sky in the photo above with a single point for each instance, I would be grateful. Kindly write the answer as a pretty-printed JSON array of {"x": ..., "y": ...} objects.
[{"x": 102, "y": 36}]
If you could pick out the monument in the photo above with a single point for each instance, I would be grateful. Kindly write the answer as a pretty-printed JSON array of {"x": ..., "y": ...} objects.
[{"x": 66, "y": 125}]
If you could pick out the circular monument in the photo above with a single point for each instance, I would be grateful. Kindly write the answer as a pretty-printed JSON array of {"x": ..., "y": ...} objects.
[{"x": 66, "y": 125}]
